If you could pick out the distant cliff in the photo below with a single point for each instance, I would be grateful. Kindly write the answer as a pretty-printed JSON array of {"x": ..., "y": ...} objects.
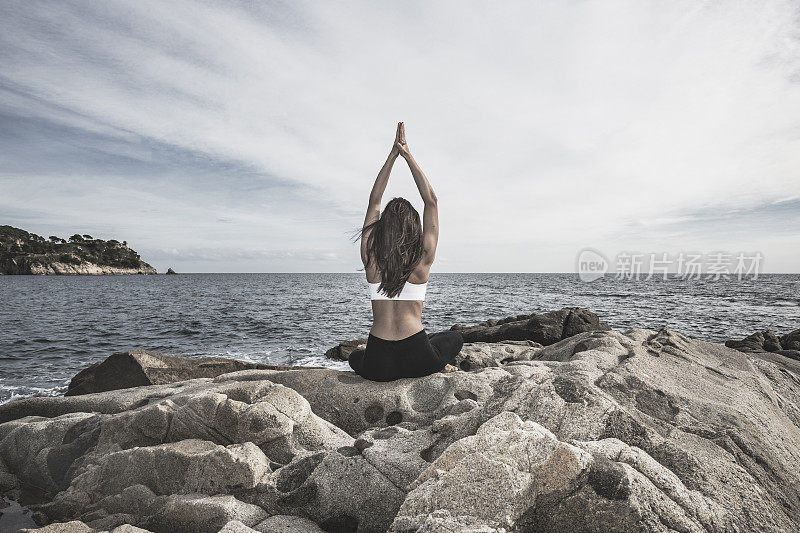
[{"x": 27, "y": 253}]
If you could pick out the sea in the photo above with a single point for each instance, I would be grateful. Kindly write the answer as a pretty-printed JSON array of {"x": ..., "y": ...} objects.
[{"x": 51, "y": 327}]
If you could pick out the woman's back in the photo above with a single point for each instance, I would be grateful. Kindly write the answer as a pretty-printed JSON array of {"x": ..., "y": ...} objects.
[{"x": 397, "y": 319}]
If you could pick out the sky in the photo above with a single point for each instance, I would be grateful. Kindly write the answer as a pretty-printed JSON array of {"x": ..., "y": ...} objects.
[{"x": 245, "y": 136}]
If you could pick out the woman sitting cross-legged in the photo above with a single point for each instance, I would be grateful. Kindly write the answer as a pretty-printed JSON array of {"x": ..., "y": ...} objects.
[{"x": 397, "y": 252}]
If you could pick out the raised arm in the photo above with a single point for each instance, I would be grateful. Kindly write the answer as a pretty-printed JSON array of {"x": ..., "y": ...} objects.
[
  {"x": 375, "y": 196},
  {"x": 430, "y": 215}
]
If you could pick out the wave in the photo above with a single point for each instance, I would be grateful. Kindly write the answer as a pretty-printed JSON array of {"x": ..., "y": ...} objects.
[
  {"x": 321, "y": 360},
  {"x": 249, "y": 357},
  {"x": 9, "y": 393}
]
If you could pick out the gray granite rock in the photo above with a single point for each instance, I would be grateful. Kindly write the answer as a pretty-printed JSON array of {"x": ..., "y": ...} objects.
[
  {"x": 600, "y": 431},
  {"x": 760, "y": 341},
  {"x": 287, "y": 524},
  {"x": 198, "y": 513},
  {"x": 73, "y": 526},
  {"x": 235, "y": 526},
  {"x": 791, "y": 341},
  {"x": 218, "y": 438},
  {"x": 763, "y": 343},
  {"x": 355, "y": 404},
  {"x": 475, "y": 355},
  {"x": 545, "y": 328},
  {"x": 343, "y": 350},
  {"x": 127, "y": 528},
  {"x": 515, "y": 474},
  {"x": 340, "y": 491},
  {"x": 186, "y": 466}
]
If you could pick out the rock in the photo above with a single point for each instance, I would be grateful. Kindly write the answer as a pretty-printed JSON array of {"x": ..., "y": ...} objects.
[
  {"x": 760, "y": 341},
  {"x": 127, "y": 528},
  {"x": 108, "y": 402},
  {"x": 73, "y": 526},
  {"x": 186, "y": 466},
  {"x": 355, "y": 404},
  {"x": 343, "y": 350},
  {"x": 442, "y": 520},
  {"x": 234, "y": 526},
  {"x": 89, "y": 465},
  {"x": 791, "y": 354},
  {"x": 771, "y": 342},
  {"x": 546, "y": 328},
  {"x": 136, "y": 368},
  {"x": 170, "y": 271},
  {"x": 39, "y": 451},
  {"x": 196, "y": 513},
  {"x": 49, "y": 267},
  {"x": 791, "y": 341},
  {"x": 340, "y": 491},
  {"x": 515, "y": 474},
  {"x": 600, "y": 431},
  {"x": 477, "y": 355},
  {"x": 287, "y": 524},
  {"x": 766, "y": 341}
]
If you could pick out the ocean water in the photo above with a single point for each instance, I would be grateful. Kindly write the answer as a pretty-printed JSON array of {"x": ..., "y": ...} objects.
[{"x": 51, "y": 327}]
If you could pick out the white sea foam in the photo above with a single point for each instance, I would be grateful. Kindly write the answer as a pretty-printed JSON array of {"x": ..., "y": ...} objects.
[
  {"x": 18, "y": 392},
  {"x": 321, "y": 360},
  {"x": 260, "y": 357}
]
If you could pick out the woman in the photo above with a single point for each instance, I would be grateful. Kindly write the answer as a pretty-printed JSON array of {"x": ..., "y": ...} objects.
[{"x": 397, "y": 252}]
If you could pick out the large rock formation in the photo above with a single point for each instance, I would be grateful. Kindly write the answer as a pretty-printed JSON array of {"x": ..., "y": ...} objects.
[
  {"x": 767, "y": 341},
  {"x": 22, "y": 252},
  {"x": 539, "y": 329},
  {"x": 602, "y": 431},
  {"x": 545, "y": 328},
  {"x": 49, "y": 266}
]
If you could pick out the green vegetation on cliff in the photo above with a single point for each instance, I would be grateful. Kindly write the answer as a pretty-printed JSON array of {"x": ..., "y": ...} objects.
[{"x": 22, "y": 252}]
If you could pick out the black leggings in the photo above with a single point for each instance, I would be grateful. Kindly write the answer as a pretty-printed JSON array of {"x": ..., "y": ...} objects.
[{"x": 412, "y": 357}]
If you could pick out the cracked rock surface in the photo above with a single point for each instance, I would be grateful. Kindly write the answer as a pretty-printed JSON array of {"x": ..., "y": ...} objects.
[{"x": 600, "y": 431}]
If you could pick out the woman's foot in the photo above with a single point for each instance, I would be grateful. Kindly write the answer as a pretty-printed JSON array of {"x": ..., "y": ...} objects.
[{"x": 448, "y": 368}]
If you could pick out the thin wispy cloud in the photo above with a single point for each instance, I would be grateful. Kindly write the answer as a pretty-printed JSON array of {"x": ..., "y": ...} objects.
[{"x": 256, "y": 129}]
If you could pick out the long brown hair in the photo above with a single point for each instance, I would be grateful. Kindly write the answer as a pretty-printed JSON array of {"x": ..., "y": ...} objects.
[{"x": 394, "y": 244}]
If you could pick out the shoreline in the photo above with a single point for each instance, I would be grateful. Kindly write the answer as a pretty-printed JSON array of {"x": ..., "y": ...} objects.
[
  {"x": 332, "y": 358},
  {"x": 244, "y": 448}
]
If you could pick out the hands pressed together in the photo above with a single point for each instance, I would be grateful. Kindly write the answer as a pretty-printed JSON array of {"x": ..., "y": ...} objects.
[{"x": 400, "y": 146}]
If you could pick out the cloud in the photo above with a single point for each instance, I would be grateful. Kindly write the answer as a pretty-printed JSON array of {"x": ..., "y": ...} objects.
[{"x": 543, "y": 127}]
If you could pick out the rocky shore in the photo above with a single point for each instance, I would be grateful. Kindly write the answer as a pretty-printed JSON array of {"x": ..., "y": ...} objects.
[
  {"x": 556, "y": 423},
  {"x": 768, "y": 341},
  {"x": 22, "y": 252},
  {"x": 47, "y": 266}
]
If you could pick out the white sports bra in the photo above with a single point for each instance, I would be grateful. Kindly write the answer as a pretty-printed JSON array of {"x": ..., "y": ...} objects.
[{"x": 410, "y": 291}]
